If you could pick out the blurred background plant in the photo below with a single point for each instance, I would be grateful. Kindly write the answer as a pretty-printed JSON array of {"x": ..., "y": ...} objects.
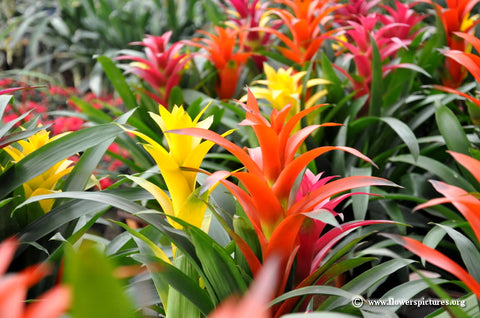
[{"x": 62, "y": 37}]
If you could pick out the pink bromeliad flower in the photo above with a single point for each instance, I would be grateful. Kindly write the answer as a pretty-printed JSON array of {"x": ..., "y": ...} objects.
[
  {"x": 353, "y": 10},
  {"x": 161, "y": 68},
  {"x": 359, "y": 48}
]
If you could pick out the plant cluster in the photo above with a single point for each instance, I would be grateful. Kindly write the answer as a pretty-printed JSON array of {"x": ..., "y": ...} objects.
[{"x": 260, "y": 158}]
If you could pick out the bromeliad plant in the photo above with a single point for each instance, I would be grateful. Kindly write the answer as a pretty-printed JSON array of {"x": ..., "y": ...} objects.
[
  {"x": 161, "y": 68},
  {"x": 284, "y": 87},
  {"x": 268, "y": 194},
  {"x": 305, "y": 22},
  {"x": 185, "y": 152},
  {"x": 471, "y": 63},
  {"x": 456, "y": 17},
  {"x": 225, "y": 49}
]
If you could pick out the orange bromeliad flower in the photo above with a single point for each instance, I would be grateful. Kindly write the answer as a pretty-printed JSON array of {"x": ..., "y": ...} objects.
[
  {"x": 225, "y": 50},
  {"x": 455, "y": 18},
  {"x": 268, "y": 192},
  {"x": 14, "y": 288},
  {"x": 304, "y": 23},
  {"x": 471, "y": 62}
]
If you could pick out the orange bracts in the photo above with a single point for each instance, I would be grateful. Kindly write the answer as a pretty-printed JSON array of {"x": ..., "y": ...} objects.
[
  {"x": 225, "y": 50},
  {"x": 268, "y": 192},
  {"x": 455, "y": 18},
  {"x": 14, "y": 288},
  {"x": 304, "y": 23}
]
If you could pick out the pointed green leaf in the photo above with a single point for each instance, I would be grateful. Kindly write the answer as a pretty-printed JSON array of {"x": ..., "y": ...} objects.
[
  {"x": 451, "y": 130},
  {"x": 217, "y": 265},
  {"x": 444, "y": 172},
  {"x": 45, "y": 157},
  {"x": 118, "y": 81}
]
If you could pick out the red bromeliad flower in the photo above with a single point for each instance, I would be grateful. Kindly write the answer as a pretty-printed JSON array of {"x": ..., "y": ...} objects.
[
  {"x": 226, "y": 51},
  {"x": 405, "y": 20},
  {"x": 353, "y": 10},
  {"x": 455, "y": 18},
  {"x": 468, "y": 205},
  {"x": 248, "y": 17},
  {"x": 162, "y": 68},
  {"x": 14, "y": 287},
  {"x": 359, "y": 49},
  {"x": 268, "y": 193},
  {"x": 304, "y": 22}
]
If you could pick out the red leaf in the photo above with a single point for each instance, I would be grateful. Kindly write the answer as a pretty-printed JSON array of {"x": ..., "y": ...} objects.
[
  {"x": 327, "y": 240},
  {"x": 315, "y": 197},
  {"x": 455, "y": 91},
  {"x": 288, "y": 175},
  {"x": 468, "y": 162},
  {"x": 469, "y": 61},
  {"x": 52, "y": 304},
  {"x": 466, "y": 204},
  {"x": 268, "y": 208},
  {"x": 438, "y": 259},
  {"x": 221, "y": 141}
]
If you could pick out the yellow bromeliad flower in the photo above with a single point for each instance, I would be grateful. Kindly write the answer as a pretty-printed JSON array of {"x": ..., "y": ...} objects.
[
  {"x": 183, "y": 152},
  {"x": 284, "y": 87},
  {"x": 47, "y": 181}
]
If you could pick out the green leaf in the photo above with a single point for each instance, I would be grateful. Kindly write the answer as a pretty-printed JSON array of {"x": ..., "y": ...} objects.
[
  {"x": 215, "y": 13},
  {"x": 405, "y": 133},
  {"x": 180, "y": 281},
  {"x": 314, "y": 290},
  {"x": 451, "y": 130},
  {"x": 360, "y": 201},
  {"x": 468, "y": 251},
  {"x": 88, "y": 162},
  {"x": 335, "y": 91},
  {"x": 447, "y": 174},
  {"x": 99, "y": 196},
  {"x": 376, "y": 89},
  {"x": 73, "y": 210},
  {"x": 19, "y": 135},
  {"x": 94, "y": 114},
  {"x": 409, "y": 290},
  {"x": 176, "y": 97},
  {"x": 45, "y": 157},
  {"x": 324, "y": 216},
  {"x": 367, "y": 279},
  {"x": 96, "y": 293},
  {"x": 217, "y": 265},
  {"x": 179, "y": 305},
  {"x": 118, "y": 81},
  {"x": 4, "y": 101}
]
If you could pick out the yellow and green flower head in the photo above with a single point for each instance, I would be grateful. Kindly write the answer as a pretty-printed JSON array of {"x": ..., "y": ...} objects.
[
  {"x": 284, "y": 87},
  {"x": 47, "y": 181},
  {"x": 184, "y": 152}
]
